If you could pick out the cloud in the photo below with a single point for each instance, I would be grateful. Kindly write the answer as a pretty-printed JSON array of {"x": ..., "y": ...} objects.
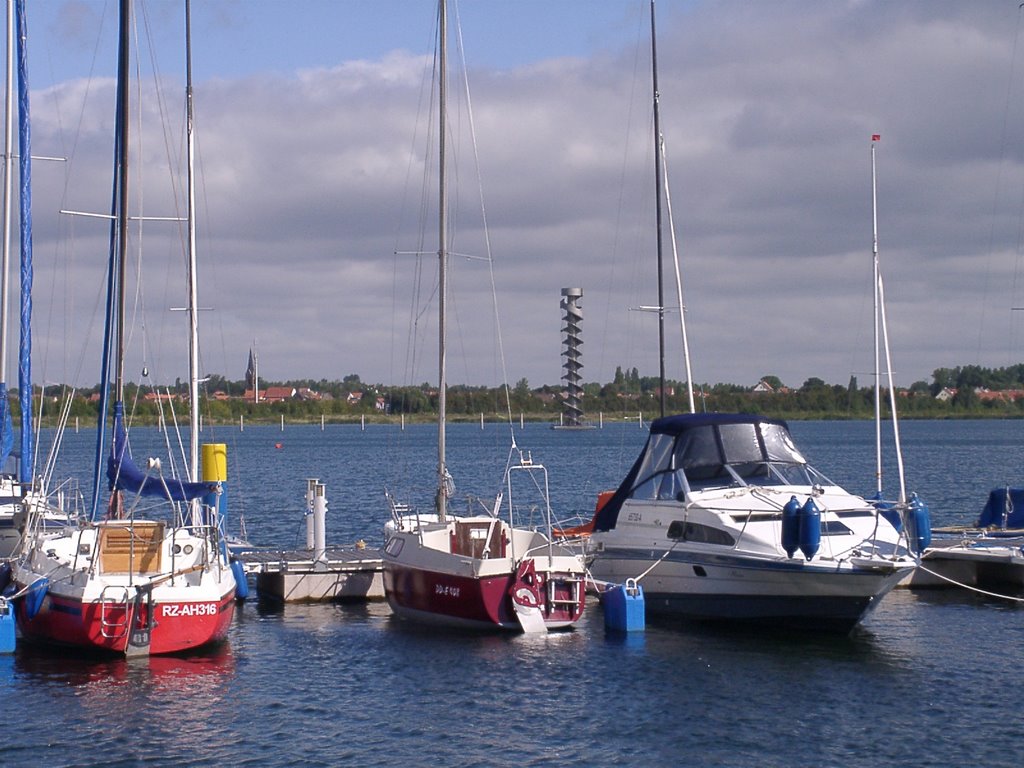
[{"x": 312, "y": 179}]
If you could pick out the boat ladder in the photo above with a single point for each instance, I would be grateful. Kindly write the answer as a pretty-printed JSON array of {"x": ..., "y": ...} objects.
[
  {"x": 574, "y": 583},
  {"x": 115, "y": 611}
]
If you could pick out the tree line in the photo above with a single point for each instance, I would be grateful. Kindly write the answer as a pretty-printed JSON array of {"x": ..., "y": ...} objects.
[{"x": 628, "y": 394}]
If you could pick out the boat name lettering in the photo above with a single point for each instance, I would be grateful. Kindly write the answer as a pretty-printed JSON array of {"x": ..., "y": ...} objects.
[
  {"x": 446, "y": 590},
  {"x": 190, "y": 609}
]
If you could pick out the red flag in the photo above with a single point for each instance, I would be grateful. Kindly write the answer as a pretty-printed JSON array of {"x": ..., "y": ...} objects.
[{"x": 876, "y": 137}]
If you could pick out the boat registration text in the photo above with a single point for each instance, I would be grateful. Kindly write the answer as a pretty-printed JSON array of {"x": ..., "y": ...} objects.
[{"x": 174, "y": 610}]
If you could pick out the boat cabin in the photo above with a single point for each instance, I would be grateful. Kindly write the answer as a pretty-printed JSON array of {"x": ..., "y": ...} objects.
[{"x": 696, "y": 452}]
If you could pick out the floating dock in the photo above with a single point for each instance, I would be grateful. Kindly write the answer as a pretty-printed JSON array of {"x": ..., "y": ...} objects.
[
  {"x": 966, "y": 561},
  {"x": 341, "y": 573}
]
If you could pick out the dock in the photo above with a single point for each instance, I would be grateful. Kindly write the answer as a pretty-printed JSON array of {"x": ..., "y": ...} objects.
[{"x": 340, "y": 573}]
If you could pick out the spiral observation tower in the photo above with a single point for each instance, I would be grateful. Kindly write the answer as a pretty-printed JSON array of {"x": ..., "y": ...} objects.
[{"x": 572, "y": 412}]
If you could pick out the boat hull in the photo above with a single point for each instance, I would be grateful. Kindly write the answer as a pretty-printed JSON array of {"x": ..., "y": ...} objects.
[
  {"x": 462, "y": 573},
  {"x": 831, "y": 597},
  {"x": 125, "y": 587},
  {"x": 442, "y": 598},
  {"x": 94, "y": 626},
  {"x": 482, "y": 603}
]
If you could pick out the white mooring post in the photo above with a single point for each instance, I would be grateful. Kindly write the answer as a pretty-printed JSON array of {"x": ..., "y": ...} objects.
[
  {"x": 319, "y": 522},
  {"x": 311, "y": 484}
]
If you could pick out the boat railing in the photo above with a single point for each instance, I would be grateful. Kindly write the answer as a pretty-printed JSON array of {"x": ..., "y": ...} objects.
[{"x": 532, "y": 470}]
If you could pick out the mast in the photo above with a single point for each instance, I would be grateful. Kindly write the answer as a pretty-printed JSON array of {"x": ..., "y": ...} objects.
[
  {"x": 193, "y": 338},
  {"x": 878, "y": 369},
  {"x": 442, "y": 259},
  {"x": 657, "y": 208},
  {"x": 5, "y": 247},
  {"x": 25, "y": 200},
  {"x": 881, "y": 321},
  {"x": 5, "y": 258},
  {"x": 116, "y": 258},
  {"x": 123, "y": 64}
]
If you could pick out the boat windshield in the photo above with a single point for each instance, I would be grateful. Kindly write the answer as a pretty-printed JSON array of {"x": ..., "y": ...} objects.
[{"x": 722, "y": 455}]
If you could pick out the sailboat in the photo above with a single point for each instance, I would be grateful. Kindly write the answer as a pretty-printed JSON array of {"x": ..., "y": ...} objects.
[
  {"x": 722, "y": 518},
  {"x": 10, "y": 485},
  {"x": 130, "y": 584},
  {"x": 476, "y": 571},
  {"x": 18, "y": 486}
]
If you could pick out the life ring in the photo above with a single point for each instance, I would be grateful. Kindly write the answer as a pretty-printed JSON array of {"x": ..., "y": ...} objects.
[{"x": 526, "y": 597}]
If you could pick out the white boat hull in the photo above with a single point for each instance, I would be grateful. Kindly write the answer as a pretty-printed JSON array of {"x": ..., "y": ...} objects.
[{"x": 794, "y": 593}]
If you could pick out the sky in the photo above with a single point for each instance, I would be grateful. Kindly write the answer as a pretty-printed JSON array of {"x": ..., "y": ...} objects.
[{"x": 316, "y": 187}]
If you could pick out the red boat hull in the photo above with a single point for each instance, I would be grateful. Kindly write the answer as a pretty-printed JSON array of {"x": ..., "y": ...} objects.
[
  {"x": 178, "y": 626},
  {"x": 481, "y": 603}
]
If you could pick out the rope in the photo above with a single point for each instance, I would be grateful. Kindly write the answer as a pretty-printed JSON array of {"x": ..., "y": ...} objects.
[
  {"x": 970, "y": 588},
  {"x": 658, "y": 561}
]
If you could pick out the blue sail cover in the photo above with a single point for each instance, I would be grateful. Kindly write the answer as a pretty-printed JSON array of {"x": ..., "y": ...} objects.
[
  {"x": 6, "y": 426},
  {"x": 1004, "y": 509},
  {"x": 25, "y": 168},
  {"x": 125, "y": 475}
]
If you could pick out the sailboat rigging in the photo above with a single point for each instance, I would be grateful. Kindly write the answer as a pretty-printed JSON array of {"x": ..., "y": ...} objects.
[
  {"x": 124, "y": 584},
  {"x": 475, "y": 571}
]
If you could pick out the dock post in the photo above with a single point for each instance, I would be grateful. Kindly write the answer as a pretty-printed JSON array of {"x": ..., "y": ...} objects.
[
  {"x": 311, "y": 484},
  {"x": 319, "y": 522}
]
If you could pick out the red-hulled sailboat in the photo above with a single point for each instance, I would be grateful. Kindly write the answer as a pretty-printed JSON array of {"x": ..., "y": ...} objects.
[
  {"x": 134, "y": 582},
  {"x": 476, "y": 571}
]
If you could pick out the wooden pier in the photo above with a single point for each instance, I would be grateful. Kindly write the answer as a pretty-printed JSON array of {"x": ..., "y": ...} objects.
[{"x": 342, "y": 573}]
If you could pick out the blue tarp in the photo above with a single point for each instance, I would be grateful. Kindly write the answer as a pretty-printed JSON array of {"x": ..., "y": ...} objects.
[{"x": 997, "y": 514}]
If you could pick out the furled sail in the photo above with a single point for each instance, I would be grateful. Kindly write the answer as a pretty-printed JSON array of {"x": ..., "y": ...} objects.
[{"x": 125, "y": 475}]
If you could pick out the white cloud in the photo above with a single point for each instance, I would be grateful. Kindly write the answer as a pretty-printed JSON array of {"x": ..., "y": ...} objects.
[{"x": 311, "y": 179}]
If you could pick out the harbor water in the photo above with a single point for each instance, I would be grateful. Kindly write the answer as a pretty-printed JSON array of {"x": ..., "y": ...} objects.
[{"x": 929, "y": 679}]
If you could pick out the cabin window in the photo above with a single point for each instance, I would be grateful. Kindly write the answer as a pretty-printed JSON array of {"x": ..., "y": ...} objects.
[
  {"x": 834, "y": 528},
  {"x": 740, "y": 443},
  {"x": 657, "y": 457},
  {"x": 647, "y": 490},
  {"x": 778, "y": 444},
  {"x": 698, "y": 456},
  {"x": 703, "y": 534}
]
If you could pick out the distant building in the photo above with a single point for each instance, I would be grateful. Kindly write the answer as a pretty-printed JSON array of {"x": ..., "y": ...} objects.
[
  {"x": 278, "y": 394},
  {"x": 764, "y": 388},
  {"x": 999, "y": 395},
  {"x": 162, "y": 397}
]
